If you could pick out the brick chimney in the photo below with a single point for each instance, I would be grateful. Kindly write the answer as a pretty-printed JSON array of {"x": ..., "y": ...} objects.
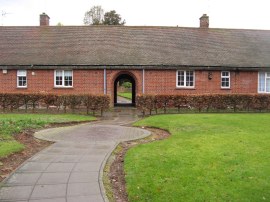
[
  {"x": 44, "y": 19},
  {"x": 204, "y": 21}
]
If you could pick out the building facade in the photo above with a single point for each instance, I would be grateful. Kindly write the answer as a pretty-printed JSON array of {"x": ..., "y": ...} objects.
[{"x": 156, "y": 60}]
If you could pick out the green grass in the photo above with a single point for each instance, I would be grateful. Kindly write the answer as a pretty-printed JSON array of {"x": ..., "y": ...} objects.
[
  {"x": 11, "y": 124},
  {"x": 9, "y": 147},
  {"x": 125, "y": 95},
  {"x": 209, "y": 157}
]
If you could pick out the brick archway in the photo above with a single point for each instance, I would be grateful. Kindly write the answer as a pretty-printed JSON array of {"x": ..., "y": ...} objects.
[{"x": 131, "y": 79}]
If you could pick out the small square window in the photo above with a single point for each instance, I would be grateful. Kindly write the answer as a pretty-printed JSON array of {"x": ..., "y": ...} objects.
[
  {"x": 185, "y": 79},
  {"x": 63, "y": 78}
]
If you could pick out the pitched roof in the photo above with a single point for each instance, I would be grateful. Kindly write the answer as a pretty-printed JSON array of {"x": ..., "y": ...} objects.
[{"x": 124, "y": 45}]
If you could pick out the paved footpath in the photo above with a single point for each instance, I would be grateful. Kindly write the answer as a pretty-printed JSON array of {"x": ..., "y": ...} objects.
[{"x": 70, "y": 170}]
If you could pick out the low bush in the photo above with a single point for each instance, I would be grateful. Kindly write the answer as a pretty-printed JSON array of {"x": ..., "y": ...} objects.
[
  {"x": 11, "y": 101},
  {"x": 203, "y": 103}
]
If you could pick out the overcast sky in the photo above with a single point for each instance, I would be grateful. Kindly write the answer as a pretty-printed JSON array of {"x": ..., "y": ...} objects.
[{"x": 249, "y": 14}]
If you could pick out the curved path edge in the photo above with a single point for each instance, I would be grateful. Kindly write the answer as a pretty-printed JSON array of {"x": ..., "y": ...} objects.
[{"x": 71, "y": 169}]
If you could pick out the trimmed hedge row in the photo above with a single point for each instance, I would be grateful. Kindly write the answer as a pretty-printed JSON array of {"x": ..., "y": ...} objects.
[
  {"x": 11, "y": 101},
  {"x": 205, "y": 102}
]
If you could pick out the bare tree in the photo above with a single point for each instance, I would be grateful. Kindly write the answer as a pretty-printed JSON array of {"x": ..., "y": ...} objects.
[{"x": 94, "y": 16}]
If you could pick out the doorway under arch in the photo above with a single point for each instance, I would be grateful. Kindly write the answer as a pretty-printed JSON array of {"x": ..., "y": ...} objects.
[{"x": 120, "y": 84}]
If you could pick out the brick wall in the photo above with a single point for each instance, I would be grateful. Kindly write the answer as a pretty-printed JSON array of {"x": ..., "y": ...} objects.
[
  {"x": 156, "y": 82},
  {"x": 84, "y": 81},
  {"x": 164, "y": 82}
]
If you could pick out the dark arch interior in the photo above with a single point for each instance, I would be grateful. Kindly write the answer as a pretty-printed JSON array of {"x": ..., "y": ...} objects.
[{"x": 125, "y": 77}]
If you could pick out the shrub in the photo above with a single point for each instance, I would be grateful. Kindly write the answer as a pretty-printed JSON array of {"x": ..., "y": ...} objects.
[
  {"x": 204, "y": 102},
  {"x": 96, "y": 102},
  {"x": 73, "y": 101},
  {"x": 49, "y": 100},
  {"x": 146, "y": 103}
]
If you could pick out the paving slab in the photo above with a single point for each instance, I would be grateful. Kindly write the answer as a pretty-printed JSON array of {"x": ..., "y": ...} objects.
[
  {"x": 83, "y": 189},
  {"x": 77, "y": 177},
  {"x": 15, "y": 192},
  {"x": 33, "y": 167},
  {"x": 49, "y": 200},
  {"x": 92, "y": 198},
  {"x": 43, "y": 158},
  {"x": 23, "y": 179},
  {"x": 53, "y": 178},
  {"x": 70, "y": 169},
  {"x": 60, "y": 167},
  {"x": 49, "y": 191}
]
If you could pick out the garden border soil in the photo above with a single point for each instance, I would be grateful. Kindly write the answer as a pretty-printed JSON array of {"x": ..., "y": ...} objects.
[{"x": 114, "y": 174}]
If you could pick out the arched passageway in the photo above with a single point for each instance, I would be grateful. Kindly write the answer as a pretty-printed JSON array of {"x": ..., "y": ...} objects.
[{"x": 125, "y": 85}]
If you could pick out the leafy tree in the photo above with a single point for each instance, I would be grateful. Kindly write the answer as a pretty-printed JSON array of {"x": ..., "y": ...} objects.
[
  {"x": 59, "y": 24},
  {"x": 127, "y": 84},
  {"x": 94, "y": 16},
  {"x": 113, "y": 18}
]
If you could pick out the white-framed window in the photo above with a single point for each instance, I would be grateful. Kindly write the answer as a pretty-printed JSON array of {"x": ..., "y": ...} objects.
[
  {"x": 185, "y": 78},
  {"x": 63, "y": 78},
  {"x": 22, "y": 78},
  {"x": 225, "y": 79},
  {"x": 264, "y": 82}
]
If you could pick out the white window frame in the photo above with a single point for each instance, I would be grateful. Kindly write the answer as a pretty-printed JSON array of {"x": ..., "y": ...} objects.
[
  {"x": 21, "y": 73},
  {"x": 265, "y": 78},
  {"x": 185, "y": 77},
  {"x": 225, "y": 77},
  {"x": 63, "y": 79}
]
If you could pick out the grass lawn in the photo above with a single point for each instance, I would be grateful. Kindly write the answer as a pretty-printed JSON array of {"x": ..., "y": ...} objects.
[
  {"x": 14, "y": 123},
  {"x": 209, "y": 157},
  {"x": 125, "y": 95}
]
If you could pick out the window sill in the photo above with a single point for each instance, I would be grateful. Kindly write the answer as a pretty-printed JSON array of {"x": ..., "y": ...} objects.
[
  {"x": 21, "y": 87},
  {"x": 264, "y": 92},
  {"x": 225, "y": 88},
  {"x": 185, "y": 88},
  {"x": 63, "y": 87}
]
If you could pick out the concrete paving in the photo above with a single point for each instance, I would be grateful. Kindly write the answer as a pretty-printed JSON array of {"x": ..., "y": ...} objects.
[
  {"x": 122, "y": 100},
  {"x": 70, "y": 169}
]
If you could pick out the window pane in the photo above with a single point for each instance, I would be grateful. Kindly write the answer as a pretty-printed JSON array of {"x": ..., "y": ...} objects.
[
  {"x": 268, "y": 85},
  {"x": 68, "y": 78},
  {"x": 22, "y": 81},
  {"x": 68, "y": 82},
  {"x": 21, "y": 73},
  {"x": 67, "y": 73},
  {"x": 225, "y": 82},
  {"x": 181, "y": 78},
  {"x": 225, "y": 74},
  {"x": 59, "y": 78},
  {"x": 189, "y": 78},
  {"x": 58, "y": 81},
  {"x": 58, "y": 73},
  {"x": 262, "y": 82}
]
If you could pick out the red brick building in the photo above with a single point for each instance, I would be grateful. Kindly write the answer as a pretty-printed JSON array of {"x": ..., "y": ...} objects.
[{"x": 157, "y": 60}]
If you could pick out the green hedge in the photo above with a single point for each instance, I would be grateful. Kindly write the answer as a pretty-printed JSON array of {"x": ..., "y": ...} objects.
[
  {"x": 203, "y": 103},
  {"x": 11, "y": 101}
]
